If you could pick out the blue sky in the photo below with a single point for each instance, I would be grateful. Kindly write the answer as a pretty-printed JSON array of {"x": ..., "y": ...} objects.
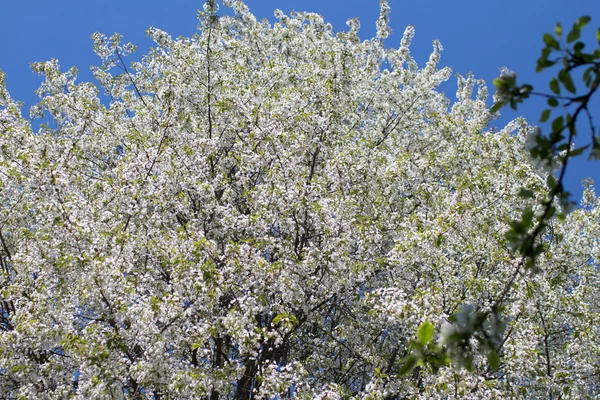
[{"x": 478, "y": 36}]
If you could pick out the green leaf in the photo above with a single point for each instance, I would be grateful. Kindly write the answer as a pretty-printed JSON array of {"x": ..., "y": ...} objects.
[
  {"x": 279, "y": 317},
  {"x": 588, "y": 58},
  {"x": 598, "y": 35},
  {"x": 578, "y": 47},
  {"x": 493, "y": 360},
  {"x": 543, "y": 63},
  {"x": 582, "y": 21},
  {"x": 496, "y": 107},
  {"x": 408, "y": 365},
  {"x": 558, "y": 29},
  {"x": 545, "y": 52},
  {"x": 545, "y": 115},
  {"x": 527, "y": 217},
  {"x": 554, "y": 86},
  {"x": 558, "y": 124},
  {"x": 578, "y": 151},
  {"x": 552, "y": 102},
  {"x": 550, "y": 41},
  {"x": 525, "y": 193},
  {"x": 425, "y": 332},
  {"x": 565, "y": 78},
  {"x": 586, "y": 74},
  {"x": 574, "y": 34}
]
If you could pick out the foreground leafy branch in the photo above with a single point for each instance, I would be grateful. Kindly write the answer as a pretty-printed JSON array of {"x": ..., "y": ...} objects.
[
  {"x": 557, "y": 148},
  {"x": 549, "y": 152}
]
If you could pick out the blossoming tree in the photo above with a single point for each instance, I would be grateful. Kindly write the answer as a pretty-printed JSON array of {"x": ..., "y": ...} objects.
[{"x": 277, "y": 211}]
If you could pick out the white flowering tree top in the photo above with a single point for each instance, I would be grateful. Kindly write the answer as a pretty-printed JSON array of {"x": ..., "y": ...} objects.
[{"x": 277, "y": 211}]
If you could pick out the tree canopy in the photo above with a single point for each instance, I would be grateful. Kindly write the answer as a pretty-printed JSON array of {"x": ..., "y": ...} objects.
[{"x": 270, "y": 211}]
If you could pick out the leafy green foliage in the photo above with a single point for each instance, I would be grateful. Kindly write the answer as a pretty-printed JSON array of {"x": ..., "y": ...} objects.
[
  {"x": 425, "y": 333},
  {"x": 556, "y": 148}
]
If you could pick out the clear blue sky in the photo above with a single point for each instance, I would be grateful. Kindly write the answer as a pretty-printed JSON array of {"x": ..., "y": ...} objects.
[{"x": 478, "y": 35}]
